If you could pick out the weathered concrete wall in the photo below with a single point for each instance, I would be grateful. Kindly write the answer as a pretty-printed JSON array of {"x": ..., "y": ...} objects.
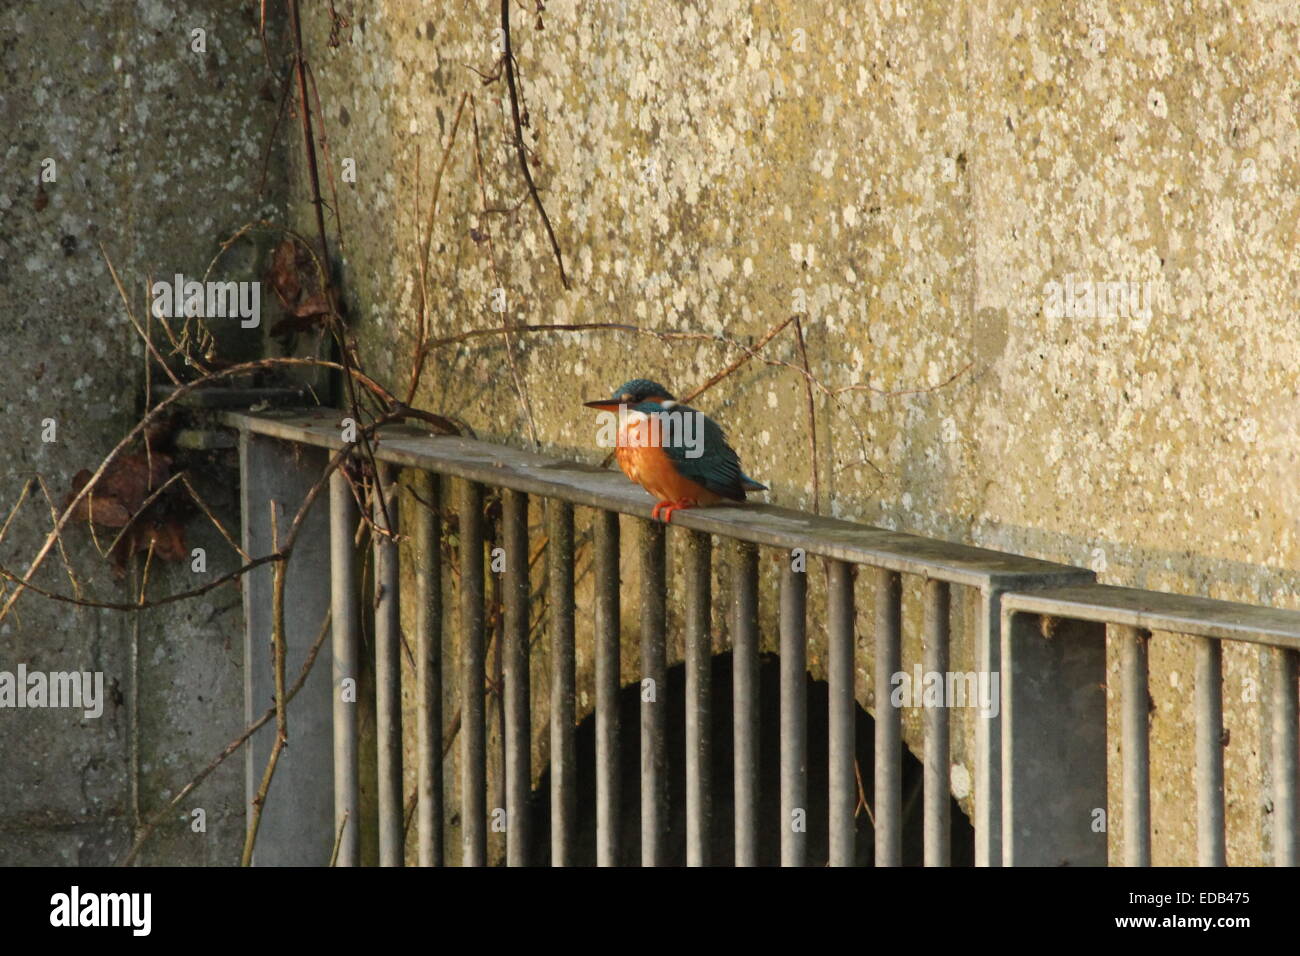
[
  {"x": 158, "y": 154},
  {"x": 912, "y": 176}
]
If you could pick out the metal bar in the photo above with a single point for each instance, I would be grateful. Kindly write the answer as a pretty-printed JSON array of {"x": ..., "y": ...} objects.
[
  {"x": 841, "y": 745},
  {"x": 608, "y": 582},
  {"x": 428, "y": 667},
  {"x": 889, "y": 720},
  {"x": 794, "y": 714},
  {"x": 344, "y": 642},
  {"x": 938, "y": 729},
  {"x": 745, "y": 694},
  {"x": 988, "y": 735},
  {"x": 1211, "y": 848},
  {"x": 1286, "y": 757},
  {"x": 699, "y": 711},
  {"x": 654, "y": 668},
  {"x": 1053, "y": 741},
  {"x": 1135, "y": 744},
  {"x": 515, "y": 672},
  {"x": 388, "y": 672},
  {"x": 1183, "y": 614},
  {"x": 473, "y": 739},
  {"x": 296, "y": 827},
  {"x": 564, "y": 794}
]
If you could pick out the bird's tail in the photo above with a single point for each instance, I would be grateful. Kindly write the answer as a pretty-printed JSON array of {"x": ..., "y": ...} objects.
[{"x": 749, "y": 484}]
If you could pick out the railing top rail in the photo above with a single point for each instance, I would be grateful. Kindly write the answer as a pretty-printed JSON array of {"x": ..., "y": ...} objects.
[
  {"x": 505, "y": 467},
  {"x": 1161, "y": 611}
]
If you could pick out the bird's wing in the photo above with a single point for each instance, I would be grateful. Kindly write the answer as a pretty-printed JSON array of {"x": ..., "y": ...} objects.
[{"x": 717, "y": 467}]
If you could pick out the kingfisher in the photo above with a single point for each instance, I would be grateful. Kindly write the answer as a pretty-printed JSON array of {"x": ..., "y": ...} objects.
[{"x": 673, "y": 451}]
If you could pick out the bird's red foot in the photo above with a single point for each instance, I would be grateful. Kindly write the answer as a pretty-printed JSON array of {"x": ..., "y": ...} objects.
[{"x": 670, "y": 506}]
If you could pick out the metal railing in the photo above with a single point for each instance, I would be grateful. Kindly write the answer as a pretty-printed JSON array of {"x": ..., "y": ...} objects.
[
  {"x": 1040, "y": 765},
  {"x": 1029, "y": 622}
]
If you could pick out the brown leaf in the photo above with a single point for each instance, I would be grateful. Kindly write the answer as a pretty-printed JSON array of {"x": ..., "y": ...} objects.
[
  {"x": 283, "y": 274},
  {"x": 292, "y": 325},
  {"x": 168, "y": 539},
  {"x": 312, "y": 306},
  {"x": 108, "y": 512},
  {"x": 122, "y": 490}
]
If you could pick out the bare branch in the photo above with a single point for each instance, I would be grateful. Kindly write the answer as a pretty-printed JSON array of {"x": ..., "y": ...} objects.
[{"x": 519, "y": 141}]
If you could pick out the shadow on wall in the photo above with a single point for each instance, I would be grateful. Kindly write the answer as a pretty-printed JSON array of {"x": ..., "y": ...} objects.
[{"x": 963, "y": 836}]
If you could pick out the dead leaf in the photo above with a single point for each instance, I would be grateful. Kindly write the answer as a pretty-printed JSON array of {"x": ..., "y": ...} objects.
[
  {"x": 283, "y": 274},
  {"x": 118, "y": 501},
  {"x": 312, "y": 306},
  {"x": 122, "y": 490}
]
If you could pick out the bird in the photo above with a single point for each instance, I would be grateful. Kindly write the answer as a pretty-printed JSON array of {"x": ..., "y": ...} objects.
[{"x": 673, "y": 451}]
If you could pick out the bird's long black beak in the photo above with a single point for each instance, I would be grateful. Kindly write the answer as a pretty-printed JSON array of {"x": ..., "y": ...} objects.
[{"x": 604, "y": 404}]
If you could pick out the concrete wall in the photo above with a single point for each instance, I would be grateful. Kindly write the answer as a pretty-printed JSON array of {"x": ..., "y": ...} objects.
[
  {"x": 158, "y": 154},
  {"x": 911, "y": 175}
]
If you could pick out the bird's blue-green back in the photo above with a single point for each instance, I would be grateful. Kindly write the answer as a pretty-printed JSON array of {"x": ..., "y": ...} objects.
[{"x": 717, "y": 467}]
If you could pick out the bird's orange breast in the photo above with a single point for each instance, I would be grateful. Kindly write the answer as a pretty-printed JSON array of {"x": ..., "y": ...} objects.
[{"x": 654, "y": 471}]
